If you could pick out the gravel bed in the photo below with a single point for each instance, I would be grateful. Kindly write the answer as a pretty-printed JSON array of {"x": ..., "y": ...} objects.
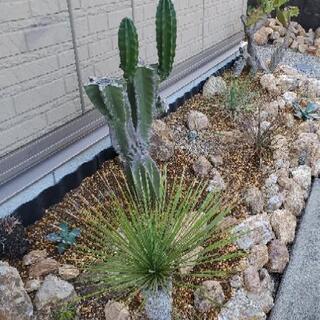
[{"x": 304, "y": 63}]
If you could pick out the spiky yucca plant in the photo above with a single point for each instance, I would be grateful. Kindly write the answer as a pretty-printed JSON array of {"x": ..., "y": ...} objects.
[{"x": 146, "y": 247}]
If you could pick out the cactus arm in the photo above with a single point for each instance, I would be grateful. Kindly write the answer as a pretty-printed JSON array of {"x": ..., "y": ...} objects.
[
  {"x": 146, "y": 87},
  {"x": 128, "y": 47},
  {"x": 93, "y": 92},
  {"x": 120, "y": 122},
  {"x": 166, "y": 34}
]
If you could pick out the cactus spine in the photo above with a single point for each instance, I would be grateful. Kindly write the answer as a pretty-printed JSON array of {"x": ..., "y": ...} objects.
[{"x": 128, "y": 104}]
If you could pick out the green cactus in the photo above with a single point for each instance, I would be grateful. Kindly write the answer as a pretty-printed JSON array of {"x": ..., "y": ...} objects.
[
  {"x": 166, "y": 31},
  {"x": 129, "y": 104}
]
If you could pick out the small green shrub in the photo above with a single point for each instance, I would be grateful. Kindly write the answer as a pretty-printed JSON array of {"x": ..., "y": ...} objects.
[
  {"x": 146, "y": 246},
  {"x": 65, "y": 312},
  {"x": 65, "y": 238},
  {"x": 239, "y": 97},
  {"x": 310, "y": 112}
]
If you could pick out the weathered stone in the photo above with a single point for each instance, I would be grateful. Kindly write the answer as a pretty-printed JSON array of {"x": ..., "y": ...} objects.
[
  {"x": 216, "y": 160},
  {"x": 267, "y": 283},
  {"x": 240, "y": 307},
  {"x": 227, "y": 223},
  {"x": 284, "y": 225},
  {"x": 32, "y": 285},
  {"x": 209, "y": 295},
  {"x": 294, "y": 201},
  {"x": 216, "y": 182},
  {"x": 290, "y": 97},
  {"x": 302, "y": 176},
  {"x": 252, "y": 279},
  {"x": 202, "y": 167},
  {"x": 275, "y": 202},
  {"x": 43, "y": 268},
  {"x": 116, "y": 311},
  {"x": 269, "y": 83},
  {"x": 197, "y": 121},
  {"x": 254, "y": 200},
  {"x": 262, "y": 299},
  {"x": 215, "y": 86},
  {"x": 161, "y": 145},
  {"x": 271, "y": 109},
  {"x": 258, "y": 256},
  {"x": 254, "y": 230},
  {"x": 52, "y": 291},
  {"x": 288, "y": 83},
  {"x": 278, "y": 256},
  {"x": 236, "y": 281},
  {"x": 34, "y": 257},
  {"x": 14, "y": 301},
  {"x": 68, "y": 272}
]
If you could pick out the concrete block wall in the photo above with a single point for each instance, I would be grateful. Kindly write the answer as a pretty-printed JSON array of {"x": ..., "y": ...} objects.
[
  {"x": 42, "y": 42},
  {"x": 38, "y": 87}
]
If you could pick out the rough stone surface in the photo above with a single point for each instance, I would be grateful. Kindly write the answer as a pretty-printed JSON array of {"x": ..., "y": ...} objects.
[
  {"x": 14, "y": 301},
  {"x": 236, "y": 281},
  {"x": 268, "y": 82},
  {"x": 215, "y": 86},
  {"x": 252, "y": 279},
  {"x": 32, "y": 285},
  {"x": 298, "y": 296},
  {"x": 68, "y": 272},
  {"x": 278, "y": 257},
  {"x": 254, "y": 200},
  {"x": 290, "y": 97},
  {"x": 210, "y": 294},
  {"x": 294, "y": 201},
  {"x": 275, "y": 202},
  {"x": 161, "y": 145},
  {"x": 34, "y": 256},
  {"x": 302, "y": 176},
  {"x": 52, "y": 291},
  {"x": 216, "y": 182},
  {"x": 202, "y": 167},
  {"x": 284, "y": 225},
  {"x": 197, "y": 121},
  {"x": 43, "y": 268},
  {"x": 240, "y": 307},
  {"x": 254, "y": 230},
  {"x": 258, "y": 256},
  {"x": 116, "y": 311}
]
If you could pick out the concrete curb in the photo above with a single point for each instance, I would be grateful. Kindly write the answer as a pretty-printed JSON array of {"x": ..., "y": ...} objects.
[{"x": 299, "y": 294}]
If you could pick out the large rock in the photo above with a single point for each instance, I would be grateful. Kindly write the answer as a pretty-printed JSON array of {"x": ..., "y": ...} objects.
[
  {"x": 201, "y": 167},
  {"x": 253, "y": 231},
  {"x": 258, "y": 256},
  {"x": 68, "y": 272},
  {"x": 43, "y": 268},
  {"x": 278, "y": 257},
  {"x": 34, "y": 257},
  {"x": 32, "y": 285},
  {"x": 252, "y": 280},
  {"x": 53, "y": 291},
  {"x": 216, "y": 183},
  {"x": 197, "y": 121},
  {"x": 254, "y": 200},
  {"x": 15, "y": 304},
  {"x": 294, "y": 201},
  {"x": 161, "y": 145},
  {"x": 116, "y": 311},
  {"x": 302, "y": 176},
  {"x": 209, "y": 295},
  {"x": 269, "y": 83},
  {"x": 215, "y": 86},
  {"x": 240, "y": 307},
  {"x": 284, "y": 225}
]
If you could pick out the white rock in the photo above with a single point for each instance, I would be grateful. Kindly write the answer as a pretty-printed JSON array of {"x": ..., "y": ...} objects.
[
  {"x": 269, "y": 83},
  {"x": 32, "y": 285},
  {"x": 290, "y": 97},
  {"x": 216, "y": 183},
  {"x": 284, "y": 225},
  {"x": 52, "y": 291},
  {"x": 215, "y": 86},
  {"x": 116, "y": 311},
  {"x": 254, "y": 230},
  {"x": 197, "y": 121},
  {"x": 15, "y": 304},
  {"x": 302, "y": 176}
]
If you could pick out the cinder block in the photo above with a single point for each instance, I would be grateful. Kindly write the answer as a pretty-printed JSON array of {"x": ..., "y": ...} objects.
[
  {"x": 38, "y": 96},
  {"x": 7, "y": 109},
  {"x": 14, "y": 10},
  {"x": 12, "y": 43},
  {"x": 115, "y": 17},
  {"x": 44, "y": 7},
  {"x": 40, "y": 37}
]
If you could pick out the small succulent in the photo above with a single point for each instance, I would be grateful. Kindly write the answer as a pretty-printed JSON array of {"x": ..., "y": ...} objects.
[
  {"x": 310, "y": 112},
  {"x": 65, "y": 238}
]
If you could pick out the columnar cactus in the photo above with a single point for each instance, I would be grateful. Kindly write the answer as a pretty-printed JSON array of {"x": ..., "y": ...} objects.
[{"x": 128, "y": 104}]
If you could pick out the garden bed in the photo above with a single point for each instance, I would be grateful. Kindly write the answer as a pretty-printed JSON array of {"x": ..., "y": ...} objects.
[{"x": 223, "y": 153}]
